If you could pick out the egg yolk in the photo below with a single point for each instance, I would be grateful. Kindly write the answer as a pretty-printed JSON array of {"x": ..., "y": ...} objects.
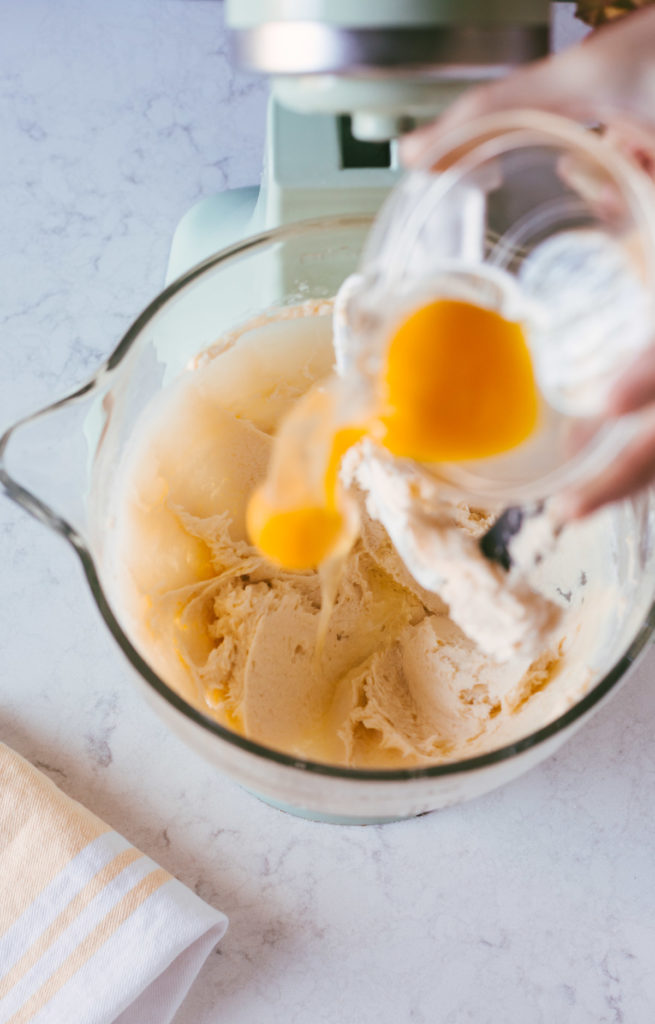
[
  {"x": 295, "y": 538},
  {"x": 298, "y": 517},
  {"x": 456, "y": 383}
]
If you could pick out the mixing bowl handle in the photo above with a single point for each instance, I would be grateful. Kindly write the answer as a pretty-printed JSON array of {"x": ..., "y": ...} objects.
[{"x": 46, "y": 461}]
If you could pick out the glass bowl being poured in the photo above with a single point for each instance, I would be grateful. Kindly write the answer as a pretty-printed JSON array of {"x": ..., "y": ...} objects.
[{"x": 542, "y": 222}]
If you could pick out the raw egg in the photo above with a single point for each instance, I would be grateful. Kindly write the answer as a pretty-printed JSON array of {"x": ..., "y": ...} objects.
[
  {"x": 298, "y": 518},
  {"x": 456, "y": 383}
]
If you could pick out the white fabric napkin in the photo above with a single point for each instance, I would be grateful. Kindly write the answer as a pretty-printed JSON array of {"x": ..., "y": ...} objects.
[{"x": 91, "y": 930}]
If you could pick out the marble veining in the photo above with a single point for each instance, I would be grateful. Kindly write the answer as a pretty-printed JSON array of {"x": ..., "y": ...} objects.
[{"x": 533, "y": 905}]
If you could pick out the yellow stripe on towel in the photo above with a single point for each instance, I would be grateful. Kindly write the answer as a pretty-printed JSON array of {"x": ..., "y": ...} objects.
[
  {"x": 92, "y": 943},
  {"x": 67, "y": 915},
  {"x": 41, "y": 830}
]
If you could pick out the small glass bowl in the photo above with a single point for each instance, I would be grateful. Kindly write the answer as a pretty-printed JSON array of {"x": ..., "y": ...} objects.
[{"x": 544, "y": 222}]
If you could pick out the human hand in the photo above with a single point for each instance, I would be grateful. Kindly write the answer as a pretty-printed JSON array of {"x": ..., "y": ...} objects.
[
  {"x": 634, "y": 468},
  {"x": 610, "y": 77}
]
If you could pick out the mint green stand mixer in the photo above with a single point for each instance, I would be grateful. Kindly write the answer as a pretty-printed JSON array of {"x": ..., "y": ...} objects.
[{"x": 347, "y": 78}]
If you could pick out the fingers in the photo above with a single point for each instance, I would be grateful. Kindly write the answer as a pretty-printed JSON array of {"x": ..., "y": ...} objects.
[
  {"x": 557, "y": 84},
  {"x": 601, "y": 78},
  {"x": 415, "y": 146},
  {"x": 636, "y": 387},
  {"x": 596, "y": 185},
  {"x": 633, "y": 470}
]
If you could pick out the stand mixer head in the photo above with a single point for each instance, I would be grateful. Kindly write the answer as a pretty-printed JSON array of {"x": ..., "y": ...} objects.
[{"x": 388, "y": 65}]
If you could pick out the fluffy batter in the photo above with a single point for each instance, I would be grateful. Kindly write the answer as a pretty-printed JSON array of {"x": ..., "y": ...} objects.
[{"x": 397, "y": 682}]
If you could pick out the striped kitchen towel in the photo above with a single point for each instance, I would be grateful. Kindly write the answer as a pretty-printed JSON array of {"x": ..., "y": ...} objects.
[{"x": 91, "y": 930}]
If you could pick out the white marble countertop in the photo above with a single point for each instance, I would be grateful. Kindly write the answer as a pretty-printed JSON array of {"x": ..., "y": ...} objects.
[{"x": 533, "y": 904}]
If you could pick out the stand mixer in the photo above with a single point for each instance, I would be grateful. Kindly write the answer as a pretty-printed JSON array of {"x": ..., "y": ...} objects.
[{"x": 347, "y": 78}]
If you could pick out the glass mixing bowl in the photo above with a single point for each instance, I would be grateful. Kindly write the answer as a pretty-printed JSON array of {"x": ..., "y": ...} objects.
[
  {"x": 546, "y": 223},
  {"x": 61, "y": 464}
]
